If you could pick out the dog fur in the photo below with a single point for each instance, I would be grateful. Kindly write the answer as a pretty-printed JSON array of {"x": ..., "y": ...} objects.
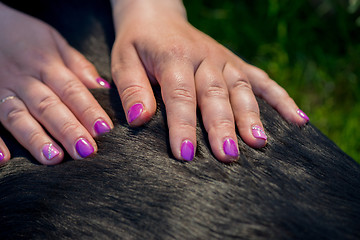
[{"x": 300, "y": 186}]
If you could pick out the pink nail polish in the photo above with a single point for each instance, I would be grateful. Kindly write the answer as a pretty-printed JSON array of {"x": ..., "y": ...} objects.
[
  {"x": 135, "y": 112},
  {"x": 101, "y": 127},
  {"x": 187, "y": 150},
  {"x": 303, "y": 115},
  {"x": 84, "y": 148},
  {"x": 102, "y": 82},
  {"x": 258, "y": 132},
  {"x": 2, "y": 156},
  {"x": 50, "y": 151},
  {"x": 230, "y": 148}
]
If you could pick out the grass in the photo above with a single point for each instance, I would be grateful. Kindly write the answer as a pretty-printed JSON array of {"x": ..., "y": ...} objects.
[{"x": 311, "y": 48}]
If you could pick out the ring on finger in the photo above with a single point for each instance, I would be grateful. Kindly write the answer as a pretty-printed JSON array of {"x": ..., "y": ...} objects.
[{"x": 8, "y": 98}]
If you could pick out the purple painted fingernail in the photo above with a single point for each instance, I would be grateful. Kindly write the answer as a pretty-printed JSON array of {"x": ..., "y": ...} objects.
[
  {"x": 50, "y": 151},
  {"x": 258, "y": 132},
  {"x": 230, "y": 148},
  {"x": 135, "y": 111},
  {"x": 103, "y": 82},
  {"x": 303, "y": 115},
  {"x": 1, "y": 156},
  {"x": 84, "y": 148},
  {"x": 187, "y": 150},
  {"x": 101, "y": 127}
]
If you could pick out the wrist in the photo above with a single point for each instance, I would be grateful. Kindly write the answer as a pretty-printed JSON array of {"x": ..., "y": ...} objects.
[{"x": 128, "y": 10}]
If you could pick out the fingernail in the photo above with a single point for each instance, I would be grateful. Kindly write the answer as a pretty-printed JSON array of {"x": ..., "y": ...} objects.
[
  {"x": 303, "y": 115},
  {"x": 187, "y": 150},
  {"x": 2, "y": 156},
  {"x": 135, "y": 111},
  {"x": 258, "y": 132},
  {"x": 101, "y": 127},
  {"x": 230, "y": 148},
  {"x": 84, "y": 148},
  {"x": 50, "y": 151},
  {"x": 103, "y": 82}
]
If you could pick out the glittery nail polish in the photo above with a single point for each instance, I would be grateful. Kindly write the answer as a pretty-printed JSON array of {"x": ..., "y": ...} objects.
[
  {"x": 258, "y": 132},
  {"x": 84, "y": 148},
  {"x": 187, "y": 150},
  {"x": 102, "y": 82},
  {"x": 101, "y": 127},
  {"x": 135, "y": 111},
  {"x": 230, "y": 148},
  {"x": 303, "y": 115},
  {"x": 50, "y": 151}
]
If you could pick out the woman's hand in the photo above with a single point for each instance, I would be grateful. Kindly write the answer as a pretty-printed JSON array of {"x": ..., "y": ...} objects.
[
  {"x": 155, "y": 43},
  {"x": 43, "y": 91}
]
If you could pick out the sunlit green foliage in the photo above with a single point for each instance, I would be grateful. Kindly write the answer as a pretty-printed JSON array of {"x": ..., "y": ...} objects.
[{"x": 310, "y": 47}]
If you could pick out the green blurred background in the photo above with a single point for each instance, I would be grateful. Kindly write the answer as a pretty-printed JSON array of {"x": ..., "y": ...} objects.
[{"x": 310, "y": 47}]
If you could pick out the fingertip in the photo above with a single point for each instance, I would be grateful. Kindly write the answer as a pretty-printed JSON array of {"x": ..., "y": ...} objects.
[
  {"x": 182, "y": 140},
  {"x": 230, "y": 150},
  {"x": 102, "y": 83},
  {"x": 4, "y": 156},
  {"x": 295, "y": 115},
  {"x": 187, "y": 151},
  {"x": 51, "y": 154},
  {"x": 304, "y": 118},
  {"x": 139, "y": 113},
  {"x": 259, "y": 137},
  {"x": 84, "y": 148},
  {"x": 101, "y": 127},
  {"x": 134, "y": 112}
]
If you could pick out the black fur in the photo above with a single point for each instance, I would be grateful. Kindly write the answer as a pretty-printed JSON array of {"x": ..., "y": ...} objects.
[{"x": 300, "y": 186}]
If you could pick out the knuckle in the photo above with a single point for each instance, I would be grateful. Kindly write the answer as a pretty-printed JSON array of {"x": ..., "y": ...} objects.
[
  {"x": 272, "y": 86},
  {"x": 216, "y": 90},
  {"x": 115, "y": 69},
  {"x": 241, "y": 82},
  {"x": 131, "y": 92},
  {"x": 46, "y": 103},
  {"x": 68, "y": 129},
  {"x": 33, "y": 137},
  {"x": 221, "y": 124},
  {"x": 83, "y": 64},
  {"x": 13, "y": 115},
  {"x": 120, "y": 60},
  {"x": 39, "y": 56},
  {"x": 71, "y": 89},
  {"x": 182, "y": 125},
  {"x": 268, "y": 85},
  {"x": 89, "y": 111},
  {"x": 182, "y": 94},
  {"x": 261, "y": 74},
  {"x": 177, "y": 51}
]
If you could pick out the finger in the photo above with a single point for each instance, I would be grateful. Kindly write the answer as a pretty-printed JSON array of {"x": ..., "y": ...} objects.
[
  {"x": 58, "y": 119},
  {"x": 4, "y": 152},
  {"x": 213, "y": 100},
  {"x": 245, "y": 107},
  {"x": 77, "y": 99},
  {"x": 275, "y": 95},
  {"x": 79, "y": 65},
  {"x": 178, "y": 91},
  {"x": 16, "y": 118},
  {"x": 133, "y": 85}
]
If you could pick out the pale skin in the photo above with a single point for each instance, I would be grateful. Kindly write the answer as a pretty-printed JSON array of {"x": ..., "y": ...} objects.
[{"x": 154, "y": 44}]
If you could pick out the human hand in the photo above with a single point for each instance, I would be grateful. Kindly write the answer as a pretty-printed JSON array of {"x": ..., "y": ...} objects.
[
  {"x": 155, "y": 42},
  {"x": 43, "y": 91}
]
